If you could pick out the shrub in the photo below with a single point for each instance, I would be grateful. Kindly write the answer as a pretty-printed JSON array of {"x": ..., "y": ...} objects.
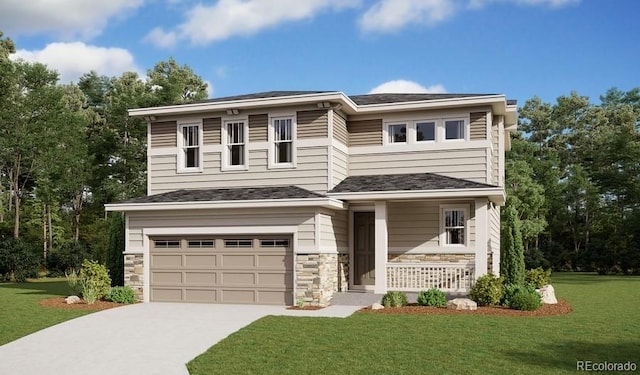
[
  {"x": 432, "y": 297},
  {"x": 122, "y": 294},
  {"x": 538, "y": 277},
  {"x": 525, "y": 298},
  {"x": 19, "y": 259},
  {"x": 512, "y": 249},
  {"x": 512, "y": 289},
  {"x": 93, "y": 282},
  {"x": 67, "y": 259},
  {"x": 394, "y": 299},
  {"x": 487, "y": 290}
]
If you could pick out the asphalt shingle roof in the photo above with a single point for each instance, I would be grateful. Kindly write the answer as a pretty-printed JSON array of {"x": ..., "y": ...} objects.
[
  {"x": 234, "y": 194},
  {"x": 404, "y": 182},
  {"x": 263, "y": 95}
]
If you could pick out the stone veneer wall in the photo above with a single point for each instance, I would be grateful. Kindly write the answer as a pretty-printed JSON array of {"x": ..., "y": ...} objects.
[
  {"x": 343, "y": 272},
  {"x": 432, "y": 258},
  {"x": 316, "y": 278},
  {"x": 133, "y": 273}
]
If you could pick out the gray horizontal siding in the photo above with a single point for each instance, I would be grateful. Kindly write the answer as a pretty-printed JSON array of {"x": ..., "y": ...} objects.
[
  {"x": 340, "y": 166},
  {"x": 163, "y": 134},
  {"x": 340, "y": 129},
  {"x": 365, "y": 132},
  {"x": 312, "y": 124},
  {"x": 211, "y": 130},
  {"x": 478, "y": 127},
  {"x": 258, "y": 127},
  {"x": 334, "y": 231}
]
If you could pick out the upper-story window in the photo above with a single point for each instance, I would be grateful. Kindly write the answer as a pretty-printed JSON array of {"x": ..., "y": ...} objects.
[
  {"x": 425, "y": 131},
  {"x": 283, "y": 140},
  {"x": 190, "y": 157},
  {"x": 235, "y": 144},
  {"x": 397, "y": 133},
  {"x": 454, "y": 129}
]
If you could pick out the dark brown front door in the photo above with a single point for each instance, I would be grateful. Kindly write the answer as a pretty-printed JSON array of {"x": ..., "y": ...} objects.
[{"x": 364, "y": 248}]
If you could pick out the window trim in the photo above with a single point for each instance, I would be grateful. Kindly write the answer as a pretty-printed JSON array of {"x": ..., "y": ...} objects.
[
  {"x": 466, "y": 126},
  {"x": 225, "y": 166},
  {"x": 271, "y": 153},
  {"x": 467, "y": 223},
  {"x": 435, "y": 131},
  {"x": 180, "y": 157},
  {"x": 387, "y": 133},
  {"x": 412, "y": 122}
]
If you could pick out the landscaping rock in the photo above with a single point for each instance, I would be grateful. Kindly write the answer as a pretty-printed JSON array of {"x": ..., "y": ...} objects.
[
  {"x": 548, "y": 295},
  {"x": 462, "y": 304},
  {"x": 377, "y": 306},
  {"x": 72, "y": 299}
]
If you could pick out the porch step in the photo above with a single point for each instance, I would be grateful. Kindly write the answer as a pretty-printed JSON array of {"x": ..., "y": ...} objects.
[{"x": 353, "y": 298}]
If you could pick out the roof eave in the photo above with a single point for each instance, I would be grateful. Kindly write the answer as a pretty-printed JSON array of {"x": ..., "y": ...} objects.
[
  {"x": 495, "y": 195},
  {"x": 497, "y": 102},
  {"x": 331, "y": 203}
]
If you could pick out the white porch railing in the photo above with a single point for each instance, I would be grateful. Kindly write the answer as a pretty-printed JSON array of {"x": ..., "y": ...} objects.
[{"x": 414, "y": 277}]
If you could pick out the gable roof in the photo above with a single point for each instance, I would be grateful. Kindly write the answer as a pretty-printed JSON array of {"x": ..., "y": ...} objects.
[
  {"x": 413, "y": 185},
  {"x": 248, "y": 197}
]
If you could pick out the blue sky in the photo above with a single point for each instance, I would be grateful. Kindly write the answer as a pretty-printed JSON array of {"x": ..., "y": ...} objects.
[{"x": 519, "y": 48}]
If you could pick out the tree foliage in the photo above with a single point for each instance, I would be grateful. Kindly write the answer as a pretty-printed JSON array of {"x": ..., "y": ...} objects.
[{"x": 512, "y": 253}]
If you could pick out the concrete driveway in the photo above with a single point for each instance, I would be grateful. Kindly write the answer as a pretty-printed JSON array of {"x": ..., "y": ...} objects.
[{"x": 152, "y": 338}]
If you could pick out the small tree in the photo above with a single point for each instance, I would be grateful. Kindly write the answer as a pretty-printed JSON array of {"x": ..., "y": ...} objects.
[
  {"x": 512, "y": 252},
  {"x": 115, "y": 259}
]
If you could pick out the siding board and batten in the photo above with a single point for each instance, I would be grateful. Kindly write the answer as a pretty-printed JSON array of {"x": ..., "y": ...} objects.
[
  {"x": 365, "y": 132},
  {"x": 164, "y": 134},
  {"x": 258, "y": 127},
  {"x": 312, "y": 124},
  {"x": 211, "y": 128}
]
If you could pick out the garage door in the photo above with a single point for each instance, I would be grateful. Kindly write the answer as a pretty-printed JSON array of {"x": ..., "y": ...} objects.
[{"x": 255, "y": 269}]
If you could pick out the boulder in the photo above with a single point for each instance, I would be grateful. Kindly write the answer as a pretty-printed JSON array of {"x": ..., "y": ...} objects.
[
  {"x": 462, "y": 304},
  {"x": 548, "y": 295},
  {"x": 377, "y": 306},
  {"x": 72, "y": 299}
]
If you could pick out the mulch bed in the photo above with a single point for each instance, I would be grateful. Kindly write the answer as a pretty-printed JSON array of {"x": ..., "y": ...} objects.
[
  {"x": 59, "y": 303},
  {"x": 561, "y": 308}
]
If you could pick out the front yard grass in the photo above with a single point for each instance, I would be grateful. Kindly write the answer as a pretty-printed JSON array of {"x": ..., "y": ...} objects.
[
  {"x": 20, "y": 313},
  {"x": 604, "y": 326}
]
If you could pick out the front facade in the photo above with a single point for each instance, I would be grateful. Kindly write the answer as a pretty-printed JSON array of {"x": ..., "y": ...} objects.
[{"x": 289, "y": 197}]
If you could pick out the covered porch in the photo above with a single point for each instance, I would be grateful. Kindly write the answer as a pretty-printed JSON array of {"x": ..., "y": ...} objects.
[{"x": 413, "y": 240}]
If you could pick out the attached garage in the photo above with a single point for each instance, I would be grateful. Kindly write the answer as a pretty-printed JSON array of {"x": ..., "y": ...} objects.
[{"x": 222, "y": 269}]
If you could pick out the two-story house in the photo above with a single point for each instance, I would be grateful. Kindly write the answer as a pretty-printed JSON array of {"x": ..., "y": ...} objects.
[{"x": 274, "y": 197}]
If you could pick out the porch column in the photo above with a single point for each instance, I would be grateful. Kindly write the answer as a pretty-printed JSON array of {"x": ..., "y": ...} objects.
[
  {"x": 382, "y": 247},
  {"x": 482, "y": 235}
]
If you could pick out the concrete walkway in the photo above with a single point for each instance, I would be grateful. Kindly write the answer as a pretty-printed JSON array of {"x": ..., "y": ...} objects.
[{"x": 152, "y": 338}]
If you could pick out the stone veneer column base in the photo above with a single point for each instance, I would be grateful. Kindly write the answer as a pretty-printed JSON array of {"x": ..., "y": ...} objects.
[
  {"x": 133, "y": 274},
  {"x": 316, "y": 278},
  {"x": 343, "y": 272}
]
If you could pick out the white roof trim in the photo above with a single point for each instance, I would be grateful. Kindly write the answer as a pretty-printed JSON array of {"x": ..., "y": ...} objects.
[
  {"x": 496, "y": 195},
  {"x": 199, "y": 205}
]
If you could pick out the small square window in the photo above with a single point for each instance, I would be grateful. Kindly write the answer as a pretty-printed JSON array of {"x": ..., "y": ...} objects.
[
  {"x": 167, "y": 244},
  {"x": 274, "y": 243},
  {"x": 425, "y": 131},
  {"x": 238, "y": 243},
  {"x": 201, "y": 244},
  {"x": 454, "y": 129},
  {"x": 398, "y": 133}
]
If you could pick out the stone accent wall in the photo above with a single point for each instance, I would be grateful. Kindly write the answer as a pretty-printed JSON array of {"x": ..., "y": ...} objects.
[
  {"x": 133, "y": 273},
  {"x": 490, "y": 263},
  {"x": 343, "y": 272},
  {"x": 316, "y": 278},
  {"x": 432, "y": 258}
]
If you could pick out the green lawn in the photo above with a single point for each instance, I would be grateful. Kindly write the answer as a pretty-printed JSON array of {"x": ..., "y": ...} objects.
[
  {"x": 604, "y": 326},
  {"x": 20, "y": 313}
]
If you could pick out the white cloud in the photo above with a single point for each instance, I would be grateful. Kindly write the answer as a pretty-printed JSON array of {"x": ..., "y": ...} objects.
[
  {"x": 161, "y": 38},
  {"x": 227, "y": 18},
  {"x": 66, "y": 18},
  {"x": 549, "y": 3},
  {"x": 392, "y": 15},
  {"x": 72, "y": 60},
  {"x": 400, "y": 86}
]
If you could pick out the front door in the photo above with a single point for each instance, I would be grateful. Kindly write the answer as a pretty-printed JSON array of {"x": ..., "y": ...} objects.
[{"x": 364, "y": 248}]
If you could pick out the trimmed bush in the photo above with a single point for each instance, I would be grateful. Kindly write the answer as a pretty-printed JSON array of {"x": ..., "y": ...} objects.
[
  {"x": 487, "y": 290},
  {"x": 122, "y": 294},
  {"x": 512, "y": 289},
  {"x": 526, "y": 299},
  {"x": 19, "y": 259},
  {"x": 93, "y": 282},
  {"x": 432, "y": 297},
  {"x": 394, "y": 299},
  {"x": 538, "y": 277},
  {"x": 511, "y": 247}
]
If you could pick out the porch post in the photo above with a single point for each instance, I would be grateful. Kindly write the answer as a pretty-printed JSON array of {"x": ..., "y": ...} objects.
[
  {"x": 482, "y": 235},
  {"x": 382, "y": 247}
]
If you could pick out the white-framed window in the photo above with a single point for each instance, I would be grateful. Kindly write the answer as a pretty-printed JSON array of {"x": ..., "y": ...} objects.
[
  {"x": 282, "y": 133},
  {"x": 397, "y": 133},
  {"x": 235, "y": 134},
  {"x": 454, "y": 225},
  {"x": 454, "y": 129},
  {"x": 425, "y": 131},
  {"x": 190, "y": 147}
]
